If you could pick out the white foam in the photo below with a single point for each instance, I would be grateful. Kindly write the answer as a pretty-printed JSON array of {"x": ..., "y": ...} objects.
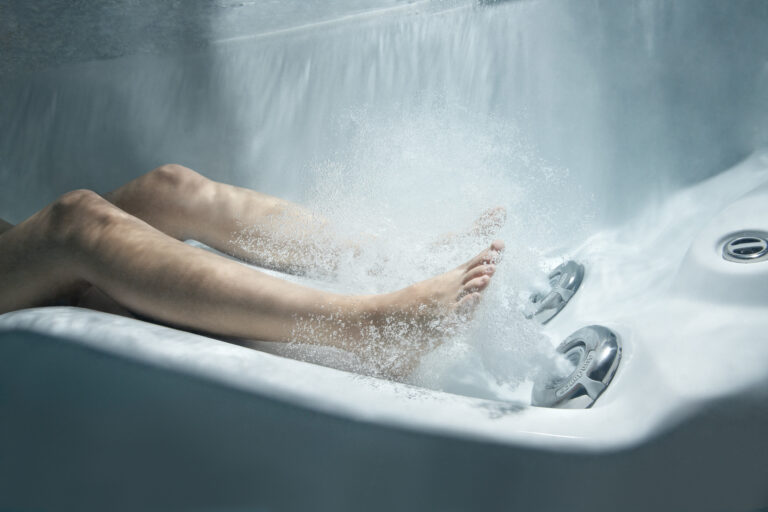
[
  {"x": 403, "y": 182},
  {"x": 406, "y": 177}
]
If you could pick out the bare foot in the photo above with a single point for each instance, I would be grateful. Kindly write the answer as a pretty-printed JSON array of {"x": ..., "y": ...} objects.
[
  {"x": 390, "y": 332},
  {"x": 412, "y": 321},
  {"x": 456, "y": 291}
]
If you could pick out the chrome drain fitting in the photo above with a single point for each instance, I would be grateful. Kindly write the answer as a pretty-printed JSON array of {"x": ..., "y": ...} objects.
[
  {"x": 564, "y": 280},
  {"x": 746, "y": 247},
  {"x": 595, "y": 352}
]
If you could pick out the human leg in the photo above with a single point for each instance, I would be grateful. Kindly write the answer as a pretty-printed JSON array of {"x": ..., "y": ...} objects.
[
  {"x": 82, "y": 240},
  {"x": 281, "y": 235},
  {"x": 4, "y": 226},
  {"x": 184, "y": 204}
]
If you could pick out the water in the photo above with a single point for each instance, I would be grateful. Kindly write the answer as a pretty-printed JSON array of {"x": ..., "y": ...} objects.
[
  {"x": 582, "y": 119},
  {"x": 407, "y": 182},
  {"x": 530, "y": 106},
  {"x": 392, "y": 195}
]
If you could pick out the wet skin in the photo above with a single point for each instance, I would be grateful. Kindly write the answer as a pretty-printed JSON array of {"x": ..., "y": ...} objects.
[{"x": 124, "y": 253}]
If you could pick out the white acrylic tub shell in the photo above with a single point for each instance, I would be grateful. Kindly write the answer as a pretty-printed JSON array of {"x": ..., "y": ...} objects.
[
  {"x": 638, "y": 104},
  {"x": 694, "y": 369},
  {"x": 703, "y": 341}
]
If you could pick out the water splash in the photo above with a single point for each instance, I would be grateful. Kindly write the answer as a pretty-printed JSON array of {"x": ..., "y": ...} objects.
[{"x": 408, "y": 190}]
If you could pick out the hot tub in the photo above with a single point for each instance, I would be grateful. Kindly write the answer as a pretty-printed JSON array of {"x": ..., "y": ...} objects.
[{"x": 627, "y": 136}]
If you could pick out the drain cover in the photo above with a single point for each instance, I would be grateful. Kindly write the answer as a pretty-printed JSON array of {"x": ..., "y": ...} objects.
[{"x": 746, "y": 247}]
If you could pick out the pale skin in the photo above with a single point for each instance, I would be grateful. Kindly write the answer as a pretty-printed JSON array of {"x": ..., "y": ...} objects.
[{"x": 124, "y": 252}]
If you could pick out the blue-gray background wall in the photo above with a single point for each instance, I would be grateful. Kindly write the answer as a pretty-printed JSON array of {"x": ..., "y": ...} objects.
[{"x": 635, "y": 97}]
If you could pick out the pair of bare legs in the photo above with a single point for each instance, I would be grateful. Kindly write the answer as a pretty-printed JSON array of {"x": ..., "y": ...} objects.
[{"x": 127, "y": 247}]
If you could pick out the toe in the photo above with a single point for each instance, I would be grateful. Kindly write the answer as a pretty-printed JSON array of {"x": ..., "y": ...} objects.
[
  {"x": 478, "y": 271},
  {"x": 482, "y": 258},
  {"x": 477, "y": 284},
  {"x": 490, "y": 255}
]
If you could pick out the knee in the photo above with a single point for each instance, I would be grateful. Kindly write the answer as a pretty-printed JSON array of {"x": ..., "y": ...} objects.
[
  {"x": 73, "y": 204},
  {"x": 174, "y": 177},
  {"x": 79, "y": 213},
  {"x": 176, "y": 188}
]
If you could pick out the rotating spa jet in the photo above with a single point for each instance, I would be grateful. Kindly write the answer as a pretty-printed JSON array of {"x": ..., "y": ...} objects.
[{"x": 594, "y": 350}]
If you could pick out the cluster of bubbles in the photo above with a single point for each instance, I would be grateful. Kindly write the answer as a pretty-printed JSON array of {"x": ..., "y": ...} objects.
[{"x": 402, "y": 203}]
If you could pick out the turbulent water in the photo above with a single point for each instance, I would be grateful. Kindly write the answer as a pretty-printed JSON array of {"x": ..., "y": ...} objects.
[
  {"x": 407, "y": 183},
  {"x": 582, "y": 119},
  {"x": 383, "y": 187},
  {"x": 430, "y": 121}
]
